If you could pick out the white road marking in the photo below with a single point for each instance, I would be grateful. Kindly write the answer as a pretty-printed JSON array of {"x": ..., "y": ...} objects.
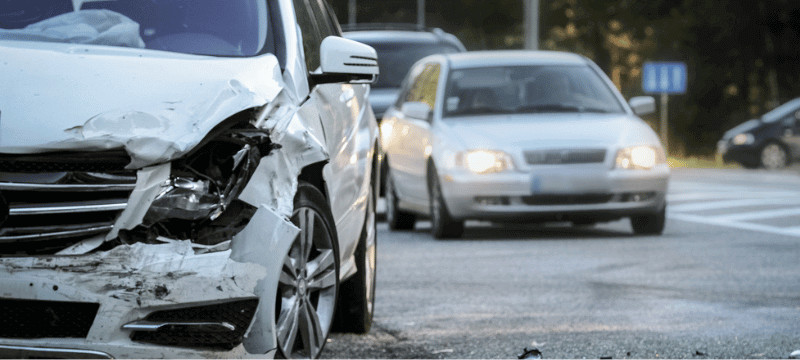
[
  {"x": 698, "y": 197},
  {"x": 790, "y": 231},
  {"x": 734, "y": 204},
  {"x": 768, "y": 214},
  {"x": 719, "y": 195}
]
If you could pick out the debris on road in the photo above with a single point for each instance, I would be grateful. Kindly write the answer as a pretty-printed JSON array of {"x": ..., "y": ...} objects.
[
  {"x": 442, "y": 351},
  {"x": 795, "y": 354},
  {"x": 699, "y": 353},
  {"x": 533, "y": 353}
]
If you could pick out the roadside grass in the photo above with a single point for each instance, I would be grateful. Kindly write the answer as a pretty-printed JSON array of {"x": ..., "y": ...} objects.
[{"x": 700, "y": 163}]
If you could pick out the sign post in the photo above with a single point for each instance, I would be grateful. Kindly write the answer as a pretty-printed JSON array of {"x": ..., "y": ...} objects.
[{"x": 665, "y": 78}]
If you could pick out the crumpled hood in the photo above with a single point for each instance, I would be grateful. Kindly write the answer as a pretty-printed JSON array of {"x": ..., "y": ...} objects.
[
  {"x": 543, "y": 131},
  {"x": 155, "y": 105}
]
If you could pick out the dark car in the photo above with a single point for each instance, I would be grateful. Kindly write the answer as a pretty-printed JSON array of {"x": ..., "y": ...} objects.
[
  {"x": 771, "y": 141},
  {"x": 399, "y": 46}
]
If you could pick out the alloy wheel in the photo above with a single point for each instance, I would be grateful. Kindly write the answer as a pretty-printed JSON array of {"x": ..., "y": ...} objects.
[
  {"x": 773, "y": 157},
  {"x": 307, "y": 288}
]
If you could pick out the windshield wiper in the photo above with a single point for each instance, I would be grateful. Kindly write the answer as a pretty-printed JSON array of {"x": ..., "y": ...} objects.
[
  {"x": 560, "y": 108},
  {"x": 550, "y": 108},
  {"x": 596, "y": 110},
  {"x": 480, "y": 111}
]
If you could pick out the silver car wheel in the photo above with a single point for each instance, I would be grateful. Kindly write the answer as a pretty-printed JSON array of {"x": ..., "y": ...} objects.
[
  {"x": 442, "y": 224},
  {"x": 307, "y": 288},
  {"x": 396, "y": 218},
  {"x": 773, "y": 156},
  {"x": 436, "y": 204}
]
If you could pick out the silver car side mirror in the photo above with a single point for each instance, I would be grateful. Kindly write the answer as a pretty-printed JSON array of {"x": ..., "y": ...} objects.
[
  {"x": 416, "y": 110},
  {"x": 643, "y": 105}
]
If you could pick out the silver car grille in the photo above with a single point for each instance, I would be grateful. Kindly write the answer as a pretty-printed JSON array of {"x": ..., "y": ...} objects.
[
  {"x": 48, "y": 203},
  {"x": 564, "y": 156}
]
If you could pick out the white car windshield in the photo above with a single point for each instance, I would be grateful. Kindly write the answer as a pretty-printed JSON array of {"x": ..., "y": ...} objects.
[
  {"x": 207, "y": 27},
  {"x": 527, "y": 89}
]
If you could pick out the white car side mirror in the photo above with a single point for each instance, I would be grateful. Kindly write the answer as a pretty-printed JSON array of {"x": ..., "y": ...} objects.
[
  {"x": 340, "y": 57},
  {"x": 643, "y": 105},
  {"x": 416, "y": 110}
]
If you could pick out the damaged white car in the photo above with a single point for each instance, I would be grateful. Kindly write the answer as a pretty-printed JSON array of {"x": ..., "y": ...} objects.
[{"x": 183, "y": 179}]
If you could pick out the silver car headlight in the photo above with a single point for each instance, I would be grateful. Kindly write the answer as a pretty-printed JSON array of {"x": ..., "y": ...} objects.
[
  {"x": 743, "y": 139},
  {"x": 487, "y": 161},
  {"x": 639, "y": 157}
]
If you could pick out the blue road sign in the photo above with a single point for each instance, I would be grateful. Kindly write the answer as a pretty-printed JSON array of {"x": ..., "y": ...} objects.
[{"x": 664, "y": 77}]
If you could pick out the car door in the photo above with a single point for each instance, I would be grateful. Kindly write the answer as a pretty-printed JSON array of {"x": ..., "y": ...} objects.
[
  {"x": 410, "y": 163},
  {"x": 347, "y": 122}
]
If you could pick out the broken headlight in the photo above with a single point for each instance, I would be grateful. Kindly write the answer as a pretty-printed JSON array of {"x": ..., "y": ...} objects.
[
  {"x": 199, "y": 200},
  {"x": 187, "y": 199}
]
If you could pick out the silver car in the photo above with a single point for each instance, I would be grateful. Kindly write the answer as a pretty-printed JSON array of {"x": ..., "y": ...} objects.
[{"x": 520, "y": 136}]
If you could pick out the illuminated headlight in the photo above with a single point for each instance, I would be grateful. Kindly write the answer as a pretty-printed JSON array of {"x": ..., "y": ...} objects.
[
  {"x": 639, "y": 157},
  {"x": 743, "y": 139},
  {"x": 487, "y": 161}
]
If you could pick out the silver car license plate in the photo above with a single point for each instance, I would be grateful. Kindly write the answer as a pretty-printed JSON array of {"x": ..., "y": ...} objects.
[{"x": 576, "y": 181}]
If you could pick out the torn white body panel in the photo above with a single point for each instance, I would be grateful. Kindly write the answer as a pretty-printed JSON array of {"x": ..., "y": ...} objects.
[{"x": 265, "y": 242}]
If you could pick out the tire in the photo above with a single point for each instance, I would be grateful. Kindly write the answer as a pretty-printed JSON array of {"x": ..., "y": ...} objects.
[
  {"x": 748, "y": 165},
  {"x": 396, "y": 218},
  {"x": 357, "y": 294},
  {"x": 652, "y": 224},
  {"x": 773, "y": 156},
  {"x": 442, "y": 224},
  {"x": 309, "y": 281}
]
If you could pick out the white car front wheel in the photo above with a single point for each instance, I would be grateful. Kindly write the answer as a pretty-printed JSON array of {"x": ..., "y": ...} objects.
[{"x": 309, "y": 280}]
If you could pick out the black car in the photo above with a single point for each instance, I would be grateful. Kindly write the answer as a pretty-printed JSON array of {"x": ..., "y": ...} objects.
[
  {"x": 770, "y": 142},
  {"x": 399, "y": 46}
]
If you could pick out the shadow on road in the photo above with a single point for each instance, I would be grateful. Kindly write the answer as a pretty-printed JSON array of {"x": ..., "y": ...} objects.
[{"x": 530, "y": 232}]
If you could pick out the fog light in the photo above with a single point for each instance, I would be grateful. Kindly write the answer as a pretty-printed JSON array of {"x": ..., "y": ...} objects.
[
  {"x": 638, "y": 197},
  {"x": 492, "y": 200}
]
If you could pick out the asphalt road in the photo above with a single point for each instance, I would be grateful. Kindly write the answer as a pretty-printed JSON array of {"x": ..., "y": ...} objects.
[{"x": 723, "y": 281}]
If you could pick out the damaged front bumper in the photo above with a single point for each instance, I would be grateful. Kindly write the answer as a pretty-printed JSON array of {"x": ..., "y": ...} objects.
[{"x": 133, "y": 301}]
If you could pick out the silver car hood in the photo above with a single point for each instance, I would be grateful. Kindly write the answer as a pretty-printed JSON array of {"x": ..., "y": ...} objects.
[
  {"x": 544, "y": 131},
  {"x": 155, "y": 105}
]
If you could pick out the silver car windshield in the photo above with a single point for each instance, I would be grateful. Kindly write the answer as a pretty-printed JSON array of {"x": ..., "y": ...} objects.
[
  {"x": 206, "y": 27},
  {"x": 527, "y": 89}
]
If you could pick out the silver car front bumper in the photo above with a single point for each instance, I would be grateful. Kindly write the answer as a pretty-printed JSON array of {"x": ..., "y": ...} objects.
[{"x": 555, "y": 191}]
